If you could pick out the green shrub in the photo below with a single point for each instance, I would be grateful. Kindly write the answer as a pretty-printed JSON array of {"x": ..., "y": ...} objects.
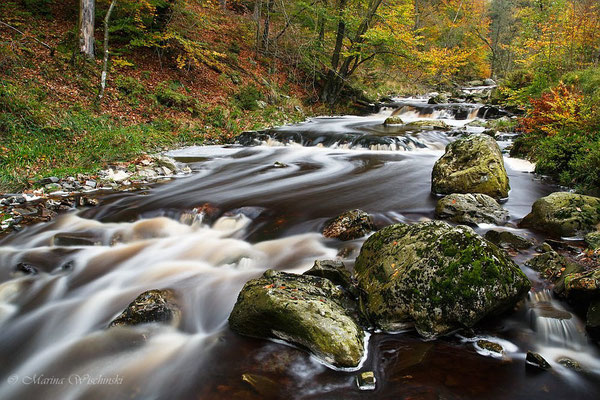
[
  {"x": 247, "y": 98},
  {"x": 40, "y": 7},
  {"x": 167, "y": 94}
]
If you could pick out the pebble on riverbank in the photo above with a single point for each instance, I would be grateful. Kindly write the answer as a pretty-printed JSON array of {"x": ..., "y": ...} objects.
[{"x": 54, "y": 195}]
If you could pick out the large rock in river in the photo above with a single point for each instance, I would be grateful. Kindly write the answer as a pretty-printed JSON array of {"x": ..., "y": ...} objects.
[
  {"x": 441, "y": 277},
  {"x": 349, "y": 225},
  {"x": 150, "y": 306},
  {"x": 471, "y": 165},
  {"x": 471, "y": 209},
  {"x": 308, "y": 311},
  {"x": 564, "y": 214}
]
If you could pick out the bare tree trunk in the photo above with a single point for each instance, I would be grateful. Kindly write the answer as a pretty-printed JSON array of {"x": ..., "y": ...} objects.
[
  {"x": 105, "y": 61},
  {"x": 257, "y": 12},
  {"x": 86, "y": 27},
  {"x": 267, "y": 26}
]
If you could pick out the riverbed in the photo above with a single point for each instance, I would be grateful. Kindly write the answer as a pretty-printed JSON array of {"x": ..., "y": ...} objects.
[{"x": 245, "y": 209}]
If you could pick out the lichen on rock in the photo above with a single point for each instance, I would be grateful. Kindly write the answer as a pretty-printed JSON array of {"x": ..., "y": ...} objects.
[
  {"x": 564, "y": 214},
  {"x": 440, "y": 277},
  {"x": 473, "y": 164},
  {"x": 305, "y": 310}
]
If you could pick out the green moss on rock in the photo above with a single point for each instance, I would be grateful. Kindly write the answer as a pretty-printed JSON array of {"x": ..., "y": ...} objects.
[
  {"x": 564, "y": 214},
  {"x": 471, "y": 165},
  {"x": 305, "y": 310},
  {"x": 440, "y": 277}
]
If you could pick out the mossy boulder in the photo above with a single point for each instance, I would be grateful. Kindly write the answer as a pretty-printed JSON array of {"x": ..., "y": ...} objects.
[
  {"x": 349, "y": 225},
  {"x": 393, "y": 120},
  {"x": 592, "y": 239},
  {"x": 473, "y": 164},
  {"x": 553, "y": 267},
  {"x": 471, "y": 209},
  {"x": 508, "y": 240},
  {"x": 308, "y": 311},
  {"x": 150, "y": 306},
  {"x": 564, "y": 214},
  {"x": 585, "y": 283},
  {"x": 440, "y": 277}
]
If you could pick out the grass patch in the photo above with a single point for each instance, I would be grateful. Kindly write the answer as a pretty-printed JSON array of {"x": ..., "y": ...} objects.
[{"x": 38, "y": 141}]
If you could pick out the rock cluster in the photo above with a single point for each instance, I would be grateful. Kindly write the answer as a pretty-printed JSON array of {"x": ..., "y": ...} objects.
[{"x": 55, "y": 195}]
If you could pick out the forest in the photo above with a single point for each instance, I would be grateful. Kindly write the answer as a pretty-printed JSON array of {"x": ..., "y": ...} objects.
[{"x": 188, "y": 71}]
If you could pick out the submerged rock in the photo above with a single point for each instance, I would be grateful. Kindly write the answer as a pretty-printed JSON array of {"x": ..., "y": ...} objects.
[
  {"x": 151, "y": 306},
  {"x": 592, "y": 319},
  {"x": 393, "y": 120},
  {"x": 535, "y": 360},
  {"x": 440, "y": 277},
  {"x": 471, "y": 209},
  {"x": 473, "y": 164},
  {"x": 25, "y": 268},
  {"x": 264, "y": 386},
  {"x": 349, "y": 225},
  {"x": 76, "y": 239},
  {"x": 569, "y": 363},
  {"x": 506, "y": 239},
  {"x": 305, "y": 310},
  {"x": 564, "y": 214}
]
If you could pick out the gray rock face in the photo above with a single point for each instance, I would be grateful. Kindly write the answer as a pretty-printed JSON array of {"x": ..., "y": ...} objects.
[
  {"x": 473, "y": 164},
  {"x": 148, "y": 307},
  {"x": 305, "y": 310},
  {"x": 349, "y": 225},
  {"x": 471, "y": 209},
  {"x": 439, "y": 277},
  {"x": 335, "y": 271},
  {"x": 564, "y": 214}
]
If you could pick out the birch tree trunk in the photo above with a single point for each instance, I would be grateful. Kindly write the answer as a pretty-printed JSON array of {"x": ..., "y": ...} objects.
[
  {"x": 86, "y": 27},
  {"x": 106, "y": 53}
]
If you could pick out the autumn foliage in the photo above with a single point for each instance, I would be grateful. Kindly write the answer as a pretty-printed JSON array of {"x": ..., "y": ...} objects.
[{"x": 559, "y": 109}]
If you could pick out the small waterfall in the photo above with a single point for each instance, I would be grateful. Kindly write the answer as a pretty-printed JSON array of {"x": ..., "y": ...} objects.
[{"x": 554, "y": 325}]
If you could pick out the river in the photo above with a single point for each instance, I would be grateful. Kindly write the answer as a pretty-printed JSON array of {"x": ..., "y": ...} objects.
[{"x": 245, "y": 209}]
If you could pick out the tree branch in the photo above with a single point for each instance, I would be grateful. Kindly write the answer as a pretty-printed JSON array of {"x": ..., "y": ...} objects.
[{"x": 24, "y": 34}]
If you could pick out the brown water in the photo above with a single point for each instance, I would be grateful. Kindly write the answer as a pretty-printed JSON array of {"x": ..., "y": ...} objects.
[{"x": 252, "y": 216}]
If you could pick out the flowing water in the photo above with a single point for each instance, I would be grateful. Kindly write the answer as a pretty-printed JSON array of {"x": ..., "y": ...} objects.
[{"x": 246, "y": 209}]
